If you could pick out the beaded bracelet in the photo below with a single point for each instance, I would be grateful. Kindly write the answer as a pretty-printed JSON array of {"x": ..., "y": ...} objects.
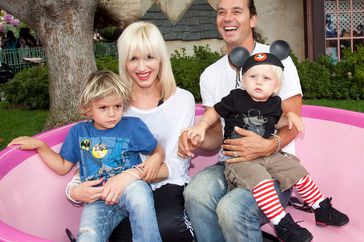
[{"x": 279, "y": 142}]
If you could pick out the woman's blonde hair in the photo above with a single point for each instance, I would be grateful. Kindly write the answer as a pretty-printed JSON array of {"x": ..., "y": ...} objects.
[
  {"x": 146, "y": 38},
  {"x": 101, "y": 84}
]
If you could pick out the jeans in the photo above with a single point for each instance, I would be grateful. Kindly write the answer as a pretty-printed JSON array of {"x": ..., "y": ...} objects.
[
  {"x": 98, "y": 219},
  {"x": 219, "y": 215}
]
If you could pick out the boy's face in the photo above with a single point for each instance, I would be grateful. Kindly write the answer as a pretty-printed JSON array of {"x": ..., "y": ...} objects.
[
  {"x": 234, "y": 22},
  {"x": 260, "y": 81},
  {"x": 106, "y": 112}
]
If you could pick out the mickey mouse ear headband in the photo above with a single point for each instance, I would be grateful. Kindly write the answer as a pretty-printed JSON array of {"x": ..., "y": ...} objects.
[{"x": 241, "y": 59}]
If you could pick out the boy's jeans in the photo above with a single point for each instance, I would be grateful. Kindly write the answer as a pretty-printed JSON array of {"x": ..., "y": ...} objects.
[
  {"x": 218, "y": 215},
  {"x": 98, "y": 219}
]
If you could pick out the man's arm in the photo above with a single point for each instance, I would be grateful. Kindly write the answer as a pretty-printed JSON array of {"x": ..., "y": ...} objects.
[{"x": 252, "y": 145}]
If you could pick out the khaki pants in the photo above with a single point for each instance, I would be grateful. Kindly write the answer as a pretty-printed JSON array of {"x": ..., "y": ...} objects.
[{"x": 283, "y": 167}]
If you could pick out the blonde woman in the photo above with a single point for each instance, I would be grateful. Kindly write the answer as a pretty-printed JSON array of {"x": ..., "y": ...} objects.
[{"x": 166, "y": 110}]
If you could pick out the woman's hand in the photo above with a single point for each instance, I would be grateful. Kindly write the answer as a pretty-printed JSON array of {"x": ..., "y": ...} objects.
[
  {"x": 115, "y": 186},
  {"x": 150, "y": 169},
  {"x": 186, "y": 145},
  {"x": 87, "y": 192}
]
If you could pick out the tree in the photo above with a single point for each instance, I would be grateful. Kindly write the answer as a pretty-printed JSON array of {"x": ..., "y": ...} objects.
[{"x": 65, "y": 29}]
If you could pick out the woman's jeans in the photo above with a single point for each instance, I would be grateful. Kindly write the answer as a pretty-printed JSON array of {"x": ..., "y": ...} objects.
[
  {"x": 98, "y": 219},
  {"x": 219, "y": 215}
]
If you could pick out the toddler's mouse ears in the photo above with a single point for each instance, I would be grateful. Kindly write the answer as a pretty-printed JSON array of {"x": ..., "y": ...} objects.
[
  {"x": 238, "y": 56},
  {"x": 280, "y": 49}
]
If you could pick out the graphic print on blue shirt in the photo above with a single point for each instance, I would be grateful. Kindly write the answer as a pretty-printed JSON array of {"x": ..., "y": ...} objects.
[
  {"x": 105, "y": 153},
  {"x": 105, "y": 157}
]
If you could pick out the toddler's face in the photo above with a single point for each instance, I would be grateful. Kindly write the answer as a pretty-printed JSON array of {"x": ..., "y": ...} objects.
[
  {"x": 106, "y": 112},
  {"x": 261, "y": 82}
]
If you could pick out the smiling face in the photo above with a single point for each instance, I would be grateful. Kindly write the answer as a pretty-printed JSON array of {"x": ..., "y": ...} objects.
[
  {"x": 262, "y": 81},
  {"x": 106, "y": 112},
  {"x": 143, "y": 68},
  {"x": 234, "y": 22}
]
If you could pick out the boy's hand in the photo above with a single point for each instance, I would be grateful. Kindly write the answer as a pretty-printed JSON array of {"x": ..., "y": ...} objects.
[
  {"x": 87, "y": 192},
  {"x": 26, "y": 143},
  {"x": 297, "y": 121}
]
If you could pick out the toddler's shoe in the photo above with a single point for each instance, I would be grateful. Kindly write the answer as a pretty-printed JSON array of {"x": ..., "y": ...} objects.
[
  {"x": 289, "y": 231},
  {"x": 326, "y": 214}
]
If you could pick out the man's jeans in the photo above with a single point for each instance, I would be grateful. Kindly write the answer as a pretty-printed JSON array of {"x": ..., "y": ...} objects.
[
  {"x": 218, "y": 215},
  {"x": 98, "y": 219}
]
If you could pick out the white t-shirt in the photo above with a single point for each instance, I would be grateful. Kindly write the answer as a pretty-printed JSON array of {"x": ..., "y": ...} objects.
[
  {"x": 219, "y": 79},
  {"x": 166, "y": 122}
]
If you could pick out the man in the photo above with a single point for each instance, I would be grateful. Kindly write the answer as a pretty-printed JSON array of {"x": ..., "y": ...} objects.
[{"x": 216, "y": 213}]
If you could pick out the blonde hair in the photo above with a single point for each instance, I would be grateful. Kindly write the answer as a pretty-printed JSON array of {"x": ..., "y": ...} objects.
[
  {"x": 146, "y": 38},
  {"x": 101, "y": 84}
]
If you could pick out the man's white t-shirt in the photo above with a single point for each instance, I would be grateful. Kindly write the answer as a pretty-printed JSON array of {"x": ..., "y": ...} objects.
[{"x": 219, "y": 79}]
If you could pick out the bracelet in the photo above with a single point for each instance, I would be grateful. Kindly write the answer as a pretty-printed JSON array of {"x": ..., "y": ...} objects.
[
  {"x": 138, "y": 168},
  {"x": 279, "y": 142},
  {"x": 131, "y": 173},
  {"x": 69, "y": 197}
]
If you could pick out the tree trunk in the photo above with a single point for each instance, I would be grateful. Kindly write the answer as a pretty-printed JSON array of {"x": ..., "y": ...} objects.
[{"x": 65, "y": 28}]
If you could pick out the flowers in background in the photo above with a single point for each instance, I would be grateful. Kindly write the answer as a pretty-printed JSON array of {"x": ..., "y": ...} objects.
[{"x": 7, "y": 21}]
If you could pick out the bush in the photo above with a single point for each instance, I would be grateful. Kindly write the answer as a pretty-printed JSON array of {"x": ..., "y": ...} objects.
[
  {"x": 187, "y": 69},
  {"x": 344, "y": 80},
  {"x": 315, "y": 80},
  {"x": 28, "y": 89},
  {"x": 107, "y": 63}
]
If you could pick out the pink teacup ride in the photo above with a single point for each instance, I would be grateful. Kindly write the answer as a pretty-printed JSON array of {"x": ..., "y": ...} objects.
[{"x": 33, "y": 206}]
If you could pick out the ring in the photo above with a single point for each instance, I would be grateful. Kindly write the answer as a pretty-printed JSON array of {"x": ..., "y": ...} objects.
[{"x": 236, "y": 154}]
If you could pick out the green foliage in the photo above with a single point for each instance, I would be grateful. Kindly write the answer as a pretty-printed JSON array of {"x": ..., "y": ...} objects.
[
  {"x": 315, "y": 80},
  {"x": 344, "y": 80},
  {"x": 28, "y": 89},
  {"x": 187, "y": 69},
  {"x": 107, "y": 63},
  {"x": 108, "y": 33}
]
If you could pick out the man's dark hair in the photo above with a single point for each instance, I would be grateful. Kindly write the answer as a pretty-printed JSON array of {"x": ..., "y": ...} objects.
[{"x": 253, "y": 12}]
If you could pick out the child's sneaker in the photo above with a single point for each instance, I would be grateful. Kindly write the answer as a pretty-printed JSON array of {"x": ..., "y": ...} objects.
[
  {"x": 327, "y": 215},
  {"x": 289, "y": 231}
]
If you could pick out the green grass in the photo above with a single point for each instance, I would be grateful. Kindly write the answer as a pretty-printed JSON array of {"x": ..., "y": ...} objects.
[
  {"x": 17, "y": 122},
  {"x": 353, "y": 105}
]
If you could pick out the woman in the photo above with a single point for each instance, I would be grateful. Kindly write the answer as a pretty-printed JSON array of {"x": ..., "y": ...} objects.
[{"x": 144, "y": 63}]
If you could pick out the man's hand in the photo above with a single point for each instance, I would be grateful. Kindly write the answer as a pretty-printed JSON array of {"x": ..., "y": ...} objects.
[
  {"x": 87, "y": 192},
  {"x": 249, "y": 147}
]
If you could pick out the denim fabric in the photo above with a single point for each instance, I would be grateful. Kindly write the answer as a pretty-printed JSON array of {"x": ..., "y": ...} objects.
[
  {"x": 217, "y": 215},
  {"x": 98, "y": 219}
]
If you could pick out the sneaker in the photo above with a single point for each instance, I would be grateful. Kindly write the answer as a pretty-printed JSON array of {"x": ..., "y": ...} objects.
[
  {"x": 327, "y": 215},
  {"x": 289, "y": 231}
]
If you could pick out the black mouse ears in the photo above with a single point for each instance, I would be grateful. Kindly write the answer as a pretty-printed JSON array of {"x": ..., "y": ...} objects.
[{"x": 278, "y": 48}]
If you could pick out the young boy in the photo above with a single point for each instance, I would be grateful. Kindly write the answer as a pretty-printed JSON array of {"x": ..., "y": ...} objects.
[
  {"x": 258, "y": 109},
  {"x": 105, "y": 146}
]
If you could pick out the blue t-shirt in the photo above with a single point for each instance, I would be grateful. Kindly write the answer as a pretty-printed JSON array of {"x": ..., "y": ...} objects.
[{"x": 105, "y": 153}]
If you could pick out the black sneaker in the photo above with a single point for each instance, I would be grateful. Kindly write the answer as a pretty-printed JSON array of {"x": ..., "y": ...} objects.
[
  {"x": 289, "y": 231},
  {"x": 327, "y": 215}
]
